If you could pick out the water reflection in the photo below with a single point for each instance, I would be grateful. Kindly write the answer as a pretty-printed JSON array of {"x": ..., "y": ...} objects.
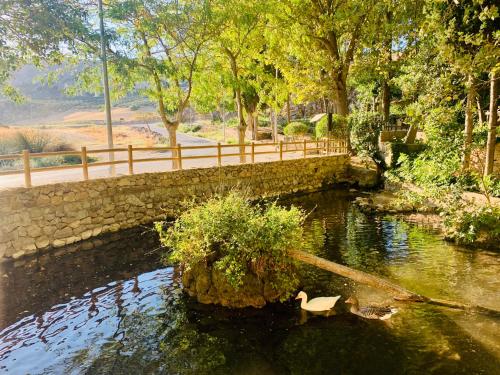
[{"x": 116, "y": 310}]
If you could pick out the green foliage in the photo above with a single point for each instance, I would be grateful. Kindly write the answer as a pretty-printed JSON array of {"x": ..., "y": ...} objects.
[
  {"x": 189, "y": 128},
  {"x": 232, "y": 122},
  {"x": 466, "y": 224},
  {"x": 398, "y": 148},
  {"x": 37, "y": 32},
  {"x": 339, "y": 127},
  {"x": 365, "y": 128},
  {"x": 476, "y": 181},
  {"x": 238, "y": 238},
  {"x": 438, "y": 164},
  {"x": 466, "y": 32},
  {"x": 296, "y": 129}
]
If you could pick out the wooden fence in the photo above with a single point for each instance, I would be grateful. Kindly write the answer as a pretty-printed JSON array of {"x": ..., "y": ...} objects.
[
  {"x": 395, "y": 127},
  {"x": 178, "y": 155}
]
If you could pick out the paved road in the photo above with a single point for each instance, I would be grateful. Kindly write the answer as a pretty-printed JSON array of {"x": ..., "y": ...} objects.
[{"x": 42, "y": 178}]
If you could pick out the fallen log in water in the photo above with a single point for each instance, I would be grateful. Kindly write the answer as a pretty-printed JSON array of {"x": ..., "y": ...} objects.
[{"x": 399, "y": 293}]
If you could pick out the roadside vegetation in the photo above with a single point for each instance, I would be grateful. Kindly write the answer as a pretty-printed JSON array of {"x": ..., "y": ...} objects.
[{"x": 35, "y": 141}]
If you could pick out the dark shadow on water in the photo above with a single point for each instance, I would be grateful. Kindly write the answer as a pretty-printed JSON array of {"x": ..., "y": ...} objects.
[{"x": 35, "y": 285}]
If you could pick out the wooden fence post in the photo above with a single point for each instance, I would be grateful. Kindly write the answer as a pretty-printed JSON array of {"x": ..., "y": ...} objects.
[
  {"x": 27, "y": 168},
  {"x": 253, "y": 152},
  {"x": 305, "y": 149},
  {"x": 219, "y": 155},
  {"x": 327, "y": 146},
  {"x": 281, "y": 150},
  {"x": 179, "y": 155},
  {"x": 85, "y": 164},
  {"x": 130, "y": 160}
]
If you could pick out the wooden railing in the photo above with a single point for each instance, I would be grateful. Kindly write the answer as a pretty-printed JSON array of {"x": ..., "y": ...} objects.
[
  {"x": 395, "y": 127},
  {"x": 178, "y": 155}
]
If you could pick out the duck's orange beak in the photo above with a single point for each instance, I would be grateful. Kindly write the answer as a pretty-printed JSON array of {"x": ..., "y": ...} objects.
[
  {"x": 298, "y": 297},
  {"x": 349, "y": 300}
]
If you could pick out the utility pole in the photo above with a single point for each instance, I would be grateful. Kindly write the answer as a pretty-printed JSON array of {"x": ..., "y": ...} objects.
[{"x": 107, "y": 102}]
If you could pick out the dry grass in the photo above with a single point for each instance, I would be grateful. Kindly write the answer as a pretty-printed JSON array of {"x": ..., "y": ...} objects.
[
  {"x": 97, "y": 136},
  {"x": 7, "y": 132},
  {"x": 94, "y": 136}
]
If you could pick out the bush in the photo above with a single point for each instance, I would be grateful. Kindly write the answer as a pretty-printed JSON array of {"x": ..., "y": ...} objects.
[
  {"x": 339, "y": 127},
  {"x": 296, "y": 129},
  {"x": 190, "y": 128},
  {"x": 437, "y": 165},
  {"x": 135, "y": 107},
  {"x": 233, "y": 122},
  {"x": 365, "y": 129},
  {"x": 37, "y": 141},
  {"x": 32, "y": 140},
  {"x": 464, "y": 224},
  {"x": 238, "y": 239}
]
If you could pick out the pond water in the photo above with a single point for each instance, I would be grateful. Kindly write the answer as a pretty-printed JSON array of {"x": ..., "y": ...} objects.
[{"x": 117, "y": 310}]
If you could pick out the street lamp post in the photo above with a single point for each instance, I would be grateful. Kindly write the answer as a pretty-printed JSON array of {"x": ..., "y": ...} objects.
[{"x": 109, "y": 129}]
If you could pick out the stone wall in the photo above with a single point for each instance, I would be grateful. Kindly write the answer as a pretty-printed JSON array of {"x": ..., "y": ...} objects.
[{"x": 51, "y": 216}]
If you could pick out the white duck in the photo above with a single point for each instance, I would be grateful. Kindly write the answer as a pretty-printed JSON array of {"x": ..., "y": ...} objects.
[{"x": 316, "y": 304}]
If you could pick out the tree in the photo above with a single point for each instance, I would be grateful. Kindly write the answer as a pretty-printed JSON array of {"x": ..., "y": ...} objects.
[
  {"x": 39, "y": 31},
  {"x": 212, "y": 91},
  {"x": 158, "y": 47},
  {"x": 240, "y": 43},
  {"x": 492, "y": 129},
  {"x": 392, "y": 36},
  {"x": 467, "y": 33},
  {"x": 319, "y": 39}
]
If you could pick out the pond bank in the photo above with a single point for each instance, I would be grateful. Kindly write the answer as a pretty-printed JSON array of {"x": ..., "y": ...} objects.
[{"x": 409, "y": 203}]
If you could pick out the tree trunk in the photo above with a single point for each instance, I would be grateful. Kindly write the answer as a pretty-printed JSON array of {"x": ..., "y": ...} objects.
[
  {"x": 492, "y": 131},
  {"x": 480, "y": 111},
  {"x": 341, "y": 105},
  {"x": 171, "y": 128},
  {"x": 172, "y": 136},
  {"x": 288, "y": 109},
  {"x": 469, "y": 124},
  {"x": 256, "y": 125},
  {"x": 411, "y": 135},
  {"x": 251, "y": 125},
  {"x": 386, "y": 91},
  {"x": 359, "y": 276},
  {"x": 242, "y": 127},
  {"x": 274, "y": 124},
  {"x": 386, "y": 101}
]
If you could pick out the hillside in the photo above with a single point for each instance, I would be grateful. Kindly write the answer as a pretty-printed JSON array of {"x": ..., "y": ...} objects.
[{"x": 48, "y": 104}]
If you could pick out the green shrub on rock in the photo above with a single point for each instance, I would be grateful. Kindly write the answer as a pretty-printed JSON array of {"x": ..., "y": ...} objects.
[{"x": 234, "y": 253}]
